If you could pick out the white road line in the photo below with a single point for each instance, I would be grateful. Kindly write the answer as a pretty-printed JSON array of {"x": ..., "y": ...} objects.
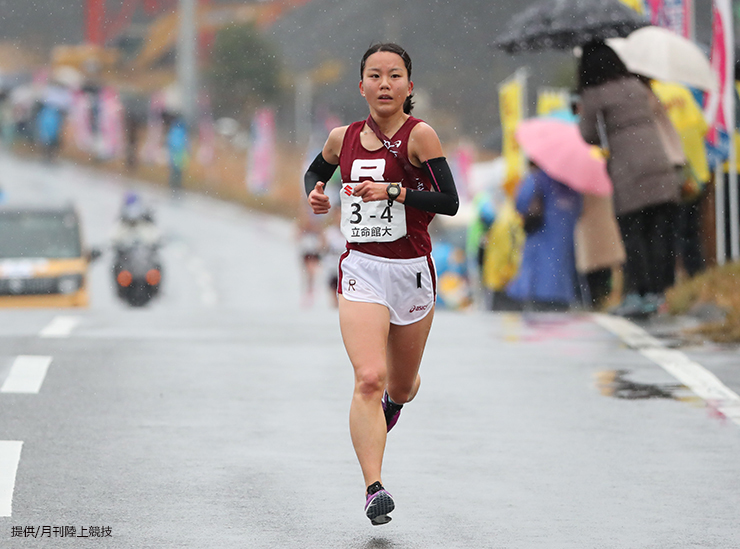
[
  {"x": 60, "y": 326},
  {"x": 26, "y": 375},
  {"x": 10, "y": 455},
  {"x": 204, "y": 280},
  {"x": 692, "y": 374}
]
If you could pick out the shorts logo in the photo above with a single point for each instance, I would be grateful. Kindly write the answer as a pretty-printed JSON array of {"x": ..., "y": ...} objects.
[
  {"x": 351, "y": 283},
  {"x": 415, "y": 308}
]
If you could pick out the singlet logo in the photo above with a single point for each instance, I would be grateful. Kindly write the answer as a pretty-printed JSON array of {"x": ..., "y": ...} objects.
[
  {"x": 392, "y": 144},
  {"x": 372, "y": 168}
]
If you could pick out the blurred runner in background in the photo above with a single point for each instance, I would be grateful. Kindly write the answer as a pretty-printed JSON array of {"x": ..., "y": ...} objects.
[
  {"x": 310, "y": 244},
  {"x": 334, "y": 247}
]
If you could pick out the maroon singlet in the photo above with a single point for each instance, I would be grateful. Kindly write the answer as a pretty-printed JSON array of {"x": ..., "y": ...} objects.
[{"x": 417, "y": 242}]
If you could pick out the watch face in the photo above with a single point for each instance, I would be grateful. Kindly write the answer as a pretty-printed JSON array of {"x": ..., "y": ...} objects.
[{"x": 394, "y": 191}]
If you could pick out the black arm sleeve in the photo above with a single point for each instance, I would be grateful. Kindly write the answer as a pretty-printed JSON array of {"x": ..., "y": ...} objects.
[
  {"x": 443, "y": 199},
  {"x": 319, "y": 170}
]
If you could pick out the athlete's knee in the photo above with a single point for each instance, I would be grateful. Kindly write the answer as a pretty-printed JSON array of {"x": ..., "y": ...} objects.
[
  {"x": 369, "y": 383},
  {"x": 401, "y": 393}
]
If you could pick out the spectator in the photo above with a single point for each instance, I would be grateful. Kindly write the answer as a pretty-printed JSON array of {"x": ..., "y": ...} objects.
[
  {"x": 616, "y": 112},
  {"x": 599, "y": 248},
  {"x": 177, "y": 145},
  {"x": 546, "y": 277}
]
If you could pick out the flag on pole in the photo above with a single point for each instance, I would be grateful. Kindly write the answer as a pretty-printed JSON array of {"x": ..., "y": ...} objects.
[
  {"x": 720, "y": 106},
  {"x": 676, "y": 15},
  {"x": 721, "y": 111}
]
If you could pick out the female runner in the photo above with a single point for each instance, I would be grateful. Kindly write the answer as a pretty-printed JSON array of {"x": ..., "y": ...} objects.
[{"x": 394, "y": 179}]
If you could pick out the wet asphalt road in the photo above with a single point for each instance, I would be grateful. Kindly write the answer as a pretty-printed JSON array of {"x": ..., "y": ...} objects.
[{"x": 217, "y": 417}]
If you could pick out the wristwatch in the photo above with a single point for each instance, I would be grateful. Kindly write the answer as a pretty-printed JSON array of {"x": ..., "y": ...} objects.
[{"x": 393, "y": 190}]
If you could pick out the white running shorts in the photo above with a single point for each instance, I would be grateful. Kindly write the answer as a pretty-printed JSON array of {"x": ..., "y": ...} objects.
[{"x": 408, "y": 287}]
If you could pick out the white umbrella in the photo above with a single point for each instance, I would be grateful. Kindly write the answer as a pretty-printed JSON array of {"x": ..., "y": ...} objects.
[{"x": 662, "y": 54}]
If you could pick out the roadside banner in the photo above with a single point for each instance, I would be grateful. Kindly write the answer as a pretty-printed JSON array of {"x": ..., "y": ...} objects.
[
  {"x": 720, "y": 105},
  {"x": 261, "y": 156},
  {"x": 676, "y": 15},
  {"x": 79, "y": 119},
  {"x": 512, "y": 94},
  {"x": 461, "y": 163},
  {"x": 720, "y": 111},
  {"x": 688, "y": 119},
  {"x": 110, "y": 139},
  {"x": 637, "y": 5},
  {"x": 153, "y": 150},
  {"x": 550, "y": 100}
]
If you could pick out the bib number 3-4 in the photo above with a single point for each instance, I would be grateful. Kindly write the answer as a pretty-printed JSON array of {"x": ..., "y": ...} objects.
[{"x": 375, "y": 221}]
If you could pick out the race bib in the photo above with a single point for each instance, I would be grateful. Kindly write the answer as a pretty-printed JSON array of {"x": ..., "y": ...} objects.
[{"x": 370, "y": 221}]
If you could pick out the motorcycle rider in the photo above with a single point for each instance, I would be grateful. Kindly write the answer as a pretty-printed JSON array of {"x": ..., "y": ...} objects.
[
  {"x": 137, "y": 269},
  {"x": 135, "y": 225}
]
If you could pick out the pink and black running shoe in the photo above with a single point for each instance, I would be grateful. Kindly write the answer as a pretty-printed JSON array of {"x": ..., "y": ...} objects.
[{"x": 379, "y": 504}]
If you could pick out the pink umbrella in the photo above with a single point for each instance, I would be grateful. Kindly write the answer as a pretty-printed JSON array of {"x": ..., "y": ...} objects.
[{"x": 557, "y": 147}]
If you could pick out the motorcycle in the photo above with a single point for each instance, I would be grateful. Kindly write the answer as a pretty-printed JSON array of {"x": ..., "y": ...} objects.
[{"x": 137, "y": 272}]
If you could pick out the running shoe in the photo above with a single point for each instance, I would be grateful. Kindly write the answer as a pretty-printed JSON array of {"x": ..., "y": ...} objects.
[
  {"x": 391, "y": 410},
  {"x": 634, "y": 307},
  {"x": 655, "y": 303},
  {"x": 378, "y": 505}
]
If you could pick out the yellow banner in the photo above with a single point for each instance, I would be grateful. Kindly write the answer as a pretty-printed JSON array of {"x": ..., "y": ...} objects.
[
  {"x": 688, "y": 119},
  {"x": 550, "y": 100},
  {"x": 637, "y": 5},
  {"x": 511, "y": 106}
]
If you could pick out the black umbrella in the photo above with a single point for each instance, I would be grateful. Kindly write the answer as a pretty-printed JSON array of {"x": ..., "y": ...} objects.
[{"x": 565, "y": 24}]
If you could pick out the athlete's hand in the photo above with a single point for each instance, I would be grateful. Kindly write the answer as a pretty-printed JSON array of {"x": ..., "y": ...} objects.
[
  {"x": 318, "y": 201},
  {"x": 370, "y": 191}
]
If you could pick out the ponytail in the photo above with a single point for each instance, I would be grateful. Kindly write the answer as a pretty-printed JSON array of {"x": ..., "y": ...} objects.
[{"x": 408, "y": 105}]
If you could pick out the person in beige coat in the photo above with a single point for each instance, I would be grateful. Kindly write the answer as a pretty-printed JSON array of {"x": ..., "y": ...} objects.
[
  {"x": 598, "y": 248},
  {"x": 616, "y": 112}
]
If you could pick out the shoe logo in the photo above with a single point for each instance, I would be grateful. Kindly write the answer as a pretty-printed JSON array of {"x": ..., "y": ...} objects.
[
  {"x": 351, "y": 282},
  {"x": 415, "y": 308}
]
